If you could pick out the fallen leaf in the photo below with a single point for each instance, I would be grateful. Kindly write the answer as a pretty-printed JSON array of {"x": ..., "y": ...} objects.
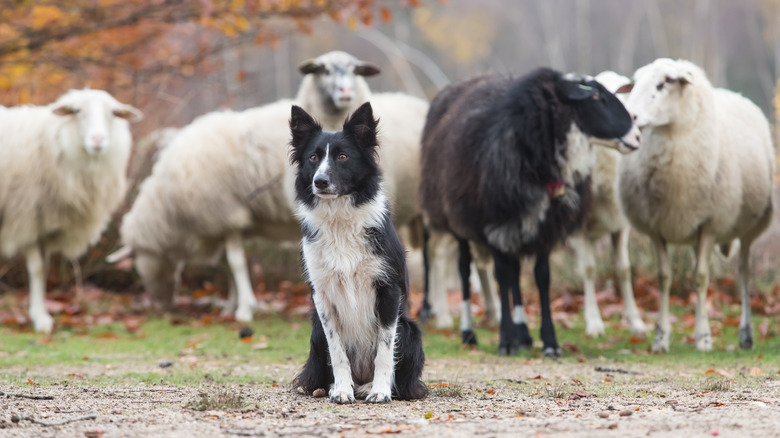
[
  {"x": 635, "y": 340},
  {"x": 31, "y": 382},
  {"x": 490, "y": 391},
  {"x": 76, "y": 375},
  {"x": 756, "y": 371},
  {"x": 429, "y": 415},
  {"x": 93, "y": 433}
]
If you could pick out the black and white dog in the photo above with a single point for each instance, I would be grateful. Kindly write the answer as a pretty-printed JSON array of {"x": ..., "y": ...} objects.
[{"x": 363, "y": 342}]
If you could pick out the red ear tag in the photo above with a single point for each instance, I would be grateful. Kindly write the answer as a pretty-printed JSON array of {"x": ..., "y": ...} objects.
[{"x": 556, "y": 189}]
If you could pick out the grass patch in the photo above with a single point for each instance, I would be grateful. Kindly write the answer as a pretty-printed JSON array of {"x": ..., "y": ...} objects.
[
  {"x": 718, "y": 384},
  {"x": 444, "y": 389},
  {"x": 217, "y": 398},
  {"x": 555, "y": 390}
]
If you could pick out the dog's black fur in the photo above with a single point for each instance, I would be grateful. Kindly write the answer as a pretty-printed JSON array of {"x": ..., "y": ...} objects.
[
  {"x": 492, "y": 147},
  {"x": 356, "y": 178}
]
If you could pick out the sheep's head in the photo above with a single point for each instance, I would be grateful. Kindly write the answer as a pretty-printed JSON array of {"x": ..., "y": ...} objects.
[
  {"x": 657, "y": 97},
  {"x": 95, "y": 112},
  {"x": 335, "y": 75},
  {"x": 597, "y": 112},
  {"x": 620, "y": 86}
]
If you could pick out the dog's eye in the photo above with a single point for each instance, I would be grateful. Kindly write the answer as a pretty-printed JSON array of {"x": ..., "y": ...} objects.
[
  {"x": 313, "y": 158},
  {"x": 343, "y": 157}
]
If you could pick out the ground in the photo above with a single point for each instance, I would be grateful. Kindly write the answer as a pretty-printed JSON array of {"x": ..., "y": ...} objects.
[{"x": 176, "y": 378}]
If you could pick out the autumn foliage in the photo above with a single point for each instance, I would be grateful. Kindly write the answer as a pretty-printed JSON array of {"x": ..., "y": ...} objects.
[{"x": 48, "y": 46}]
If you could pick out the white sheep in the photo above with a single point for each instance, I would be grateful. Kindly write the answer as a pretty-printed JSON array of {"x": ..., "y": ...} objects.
[
  {"x": 225, "y": 177},
  {"x": 702, "y": 178},
  {"x": 62, "y": 175},
  {"x": 606, "y": 218}
]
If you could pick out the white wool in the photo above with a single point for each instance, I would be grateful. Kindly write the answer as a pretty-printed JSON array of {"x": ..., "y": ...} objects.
[
  {"x": 53, "y": 192},
  {"x": 228, "y": 173},
  {"x": 703, "y": 177}
]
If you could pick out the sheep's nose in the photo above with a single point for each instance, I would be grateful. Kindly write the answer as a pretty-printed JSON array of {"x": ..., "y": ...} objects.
[
  {"x": 321, "y": 182},
  {"x": 97, "y": 139}
]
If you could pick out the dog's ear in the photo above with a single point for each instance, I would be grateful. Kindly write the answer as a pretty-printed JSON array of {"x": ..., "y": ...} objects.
[
  {"x": 362, "y": 126},
  {"x": 303, "y": 127}
]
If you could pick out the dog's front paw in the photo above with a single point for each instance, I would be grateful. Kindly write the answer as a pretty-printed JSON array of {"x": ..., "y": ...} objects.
[
  {"x": 378, "y": 397},
  {"x": 342, "y": 397}
]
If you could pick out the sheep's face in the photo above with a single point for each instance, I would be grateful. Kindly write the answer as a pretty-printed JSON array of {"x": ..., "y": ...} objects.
[
  {"x": 335, "y": 75},
  {"x": 656, "y": 96},
  {"x": 94, "y": 111},
  {"x": 597, "y": 112},
  {"x": 335, "y": 164}
]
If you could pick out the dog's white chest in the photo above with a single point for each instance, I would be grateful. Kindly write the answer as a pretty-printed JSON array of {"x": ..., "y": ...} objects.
[{"x": 343, "y": 271}]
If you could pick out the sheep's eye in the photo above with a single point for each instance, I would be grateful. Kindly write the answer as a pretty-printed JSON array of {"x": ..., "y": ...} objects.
[
  {"x": 314, "y": 158},
  {"x": 596, "y": 96},
  {"x": 669, "y": 80},
  {"x": 660, "y": 86},
  {"x": 343, "y": 157}
]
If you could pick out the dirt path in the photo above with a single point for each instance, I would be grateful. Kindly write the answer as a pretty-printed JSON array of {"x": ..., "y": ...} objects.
[{"x": 495, "y": 398}]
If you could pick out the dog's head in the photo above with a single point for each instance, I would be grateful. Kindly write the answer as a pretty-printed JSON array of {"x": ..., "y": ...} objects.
[{"x": 334, "y": 164}]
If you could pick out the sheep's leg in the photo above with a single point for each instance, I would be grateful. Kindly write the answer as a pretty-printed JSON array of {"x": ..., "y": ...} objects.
[
  {"x": 663, "y": 329},
  {"x": 232, "y": 302},
  {"x": 745, "y": 324},
  {"x": 702, "y": 330},
  {"x": 542, "y": 277},
  {"x": 440, "y": 306},
  {"x": 425, "y": 312},
  {"x": 512, "y": 336},
  {"x": 492, "y": 305},
  {"x": 469, "y": 337},
  {"x": 42, "y": 321},
  {"x": 623, "y": 272},
  {"x": 234, "y": 249},
  {"x": 586, "y": 265}
]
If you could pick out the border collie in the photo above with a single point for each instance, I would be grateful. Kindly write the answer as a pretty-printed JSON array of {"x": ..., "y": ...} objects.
[{"x": 363, "y": 343}]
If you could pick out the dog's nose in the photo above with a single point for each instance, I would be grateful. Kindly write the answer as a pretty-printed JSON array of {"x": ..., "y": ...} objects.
[{"x": 321, "y": 182}]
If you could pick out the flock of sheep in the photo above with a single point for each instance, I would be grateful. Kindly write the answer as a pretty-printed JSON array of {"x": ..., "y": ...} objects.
[{"x": 703, "y": 176}]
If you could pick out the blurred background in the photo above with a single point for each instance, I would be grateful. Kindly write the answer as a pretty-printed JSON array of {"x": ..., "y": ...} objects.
[{"x": 177, "y": 60}]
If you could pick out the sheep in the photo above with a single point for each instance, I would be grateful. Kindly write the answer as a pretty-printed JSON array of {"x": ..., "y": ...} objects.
[
  {"x": 218, "y": 181},
  {"x": 704, "y": 178},
  {"x": 225, "y": 177},
  {"x": 606, "y": 217},
  {"x": 506, "y": 163},
  {"x": 62, "y": 175}
]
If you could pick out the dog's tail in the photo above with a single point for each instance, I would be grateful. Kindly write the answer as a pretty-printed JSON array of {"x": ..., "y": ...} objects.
[{"x": 408, "y": 369}]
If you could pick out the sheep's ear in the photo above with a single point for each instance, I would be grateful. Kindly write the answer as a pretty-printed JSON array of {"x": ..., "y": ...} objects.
[
  {"x": 366, "y": 69},
  {"x": 362, "y": 126},
  {"x": 302, "y": 127},
  {"x": 625, "y": 88},
  {"x": 573, "y": 91},
  {"x": 129, "y": 113},
  {"x": 311, "y": 67},
  {"x": 65, "y": 110},
  {"x": 685, "y": 78}
]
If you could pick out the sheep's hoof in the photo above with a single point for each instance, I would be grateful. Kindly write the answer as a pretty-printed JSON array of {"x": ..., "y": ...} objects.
[
  {"x": 595, "y": 329},
  {"x": 43, "y": 323},
  {"x": 661, "y": 341},
  {"x": 639, "y": 328},
  {"x": 425, "y": 314},
  {"x": 244, "y": 314},
  {"x": 745, "y": 338},
  {"x": 468, "y": 337},
  {"x": 704, "y": 342},
  {"x": 507, "y": 350},
  {"x": 553, "y": 352},
  {"x": 525, "y": 342}
]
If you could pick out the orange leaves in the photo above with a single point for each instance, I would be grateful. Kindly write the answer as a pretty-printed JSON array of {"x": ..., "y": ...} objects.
[{"x": 43, "y": 16}]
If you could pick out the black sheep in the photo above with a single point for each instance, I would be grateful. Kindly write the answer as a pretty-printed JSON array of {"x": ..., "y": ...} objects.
[{"x": 506, "y": 163}]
